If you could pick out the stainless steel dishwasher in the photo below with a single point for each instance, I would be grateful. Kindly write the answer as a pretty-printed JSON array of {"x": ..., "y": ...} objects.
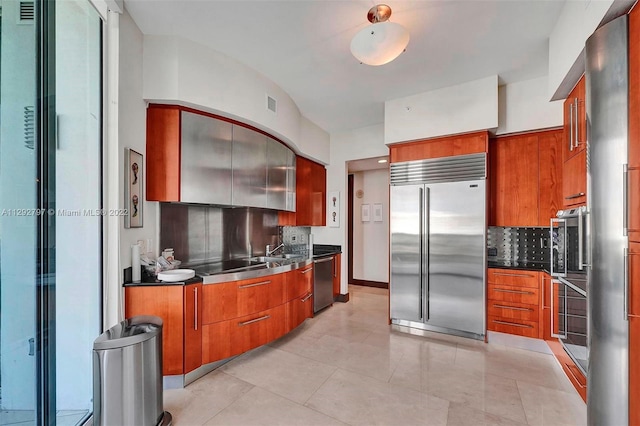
[{"x": 323, "y": 282}]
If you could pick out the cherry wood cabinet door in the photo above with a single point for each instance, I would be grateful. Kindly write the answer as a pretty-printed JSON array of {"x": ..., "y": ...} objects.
[
  {"x": 167, "y": 303},
  {"x": 238, "y": 298},
  {"x": 514, "y": 180},
  {"x": 163, "y": 153},
  {"x": 257, "y": 329},
  {"x": 513, "y": 277},
  {"x": 550, "y": 175},
  {"x": 575, "y": 121},
  {"x": 469, "y": 143},
  {"x": 299, "y": 282},
  {"x": 574, "y": 180},
  {"x": 634, "y": 369},
  {"x": 336, "y": 275},
  {"x": 298, "y": 310},
  {"x": 192, "y": 327},
  {"x": 545, "y": 307}
]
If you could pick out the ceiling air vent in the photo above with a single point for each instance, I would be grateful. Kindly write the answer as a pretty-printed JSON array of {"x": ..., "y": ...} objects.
[
  {"x": 27, "y": 11},
  {"x": 271, "y": 104}
]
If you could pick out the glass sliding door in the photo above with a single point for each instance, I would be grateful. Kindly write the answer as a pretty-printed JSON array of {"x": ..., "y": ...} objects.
[
  {"x": 78, "y": 224},
  {"x": 18, "y": 212},
  {"x": 50, "y": 200}
]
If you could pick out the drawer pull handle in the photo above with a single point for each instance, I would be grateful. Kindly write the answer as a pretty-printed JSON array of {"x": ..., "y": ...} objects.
[
  {"x": 254, "y": 320},
  {"x": 254, "y": 284},
  {"x": 578, "y": 195},
  {"x": 500, "y": 290},
  {"x": 307, "y": 297},
  {"x": 515, "y": 308},
  {"x": 574, "y": 376},
  {"x": 513, "y": 275},
  {"x": 513, "y": 324},
  {"x": 307, "y": 270}
]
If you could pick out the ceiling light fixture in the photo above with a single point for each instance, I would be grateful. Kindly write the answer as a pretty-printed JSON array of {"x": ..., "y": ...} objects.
[
  {"x": 382, "y": 161},
  {"x": 382, "y": 42}
]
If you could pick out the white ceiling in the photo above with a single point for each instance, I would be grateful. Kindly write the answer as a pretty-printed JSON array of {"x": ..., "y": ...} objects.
[{"x": 303, "y": 46}]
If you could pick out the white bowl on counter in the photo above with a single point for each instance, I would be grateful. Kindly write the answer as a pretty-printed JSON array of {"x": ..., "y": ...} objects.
[{"x": 175, "y": 275}]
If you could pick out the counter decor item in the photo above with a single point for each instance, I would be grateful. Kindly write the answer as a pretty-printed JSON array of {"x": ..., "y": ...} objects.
[
  {"x": 133, "y": 197},
  {"x": 176, "y": 275}
]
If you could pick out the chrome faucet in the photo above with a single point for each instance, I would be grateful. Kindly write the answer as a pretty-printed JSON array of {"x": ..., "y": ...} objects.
[{"x": 269, "y": 252}]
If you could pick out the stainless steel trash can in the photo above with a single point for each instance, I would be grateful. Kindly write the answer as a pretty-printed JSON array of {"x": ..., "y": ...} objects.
[{"x": 127, "y": 374}]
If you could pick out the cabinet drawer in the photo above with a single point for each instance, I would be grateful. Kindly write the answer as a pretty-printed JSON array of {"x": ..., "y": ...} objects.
[
  {"x": 512, "y": 277},
  {"x": 513, "y": 326},
  {"x": 298, "y": 310},
  {"x": 239, "y": 298},
  {"x": 527, "y": 295},
  {"x": 228, "y": 338},
  {"x": 513, "y": 310},
  {"x": 299, "y": 282}
]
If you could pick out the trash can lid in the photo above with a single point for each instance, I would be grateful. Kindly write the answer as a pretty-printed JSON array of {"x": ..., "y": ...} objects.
[{"x": 129, "y": 332}]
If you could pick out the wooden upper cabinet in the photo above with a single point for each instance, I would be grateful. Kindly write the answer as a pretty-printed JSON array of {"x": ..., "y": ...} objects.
[
  {"x": 163, "y": 153},
  {"x": 468, "y": 143},
  {"x": 575, "y": 121},
  {"x": 514, "y": 181},
  {"x": 574, "y": 172},
  {"x": 574, "y": 180},
  {"x": 311, "y": 189},
  {"x": 549, "y": 175}
]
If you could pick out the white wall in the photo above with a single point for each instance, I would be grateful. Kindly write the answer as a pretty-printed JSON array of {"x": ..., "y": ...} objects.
[
  {"x": 184, "y": 72},
  {"x": 132, "y": 132},
  {"x": 456, "y": 109},
  {"x": 371, "y": 239},
  {"x": 365, "y": 142},
  {"x": 577, "y": 21},
  {"x": 525, "y": 106}
]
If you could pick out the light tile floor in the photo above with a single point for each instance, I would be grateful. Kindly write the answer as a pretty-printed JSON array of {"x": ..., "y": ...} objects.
[{"x": 346, "y": 366}]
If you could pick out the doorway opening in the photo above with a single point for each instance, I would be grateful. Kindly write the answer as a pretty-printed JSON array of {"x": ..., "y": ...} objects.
[{"x": 368, "y": 222}]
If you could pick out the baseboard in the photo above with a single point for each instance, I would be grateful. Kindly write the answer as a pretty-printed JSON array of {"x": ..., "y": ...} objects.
[
  {"x": 343, "y": 298},
  {"x": 377, "y": 284}
]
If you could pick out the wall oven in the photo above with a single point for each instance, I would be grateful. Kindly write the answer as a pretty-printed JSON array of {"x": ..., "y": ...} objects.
[
  {"x": 569, "y": 263},
  {"x": 569, "y": 317},
  {"x": 570, "y": 242}
]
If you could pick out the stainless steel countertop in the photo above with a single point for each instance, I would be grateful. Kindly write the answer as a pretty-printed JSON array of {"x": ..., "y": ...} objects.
[{"x": 268, "y": 268}]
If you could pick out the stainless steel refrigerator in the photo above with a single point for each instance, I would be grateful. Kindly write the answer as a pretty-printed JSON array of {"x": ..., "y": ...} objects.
[
  {"x": 607, "y": 131},
  {"x": 438, "y": 233}
]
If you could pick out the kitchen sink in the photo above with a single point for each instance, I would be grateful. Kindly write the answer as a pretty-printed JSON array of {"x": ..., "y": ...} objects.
[{"x": 276, "y": 258}]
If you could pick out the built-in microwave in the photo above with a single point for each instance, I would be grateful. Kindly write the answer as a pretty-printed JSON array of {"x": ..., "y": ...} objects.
[{"x": 570, "y": 242}]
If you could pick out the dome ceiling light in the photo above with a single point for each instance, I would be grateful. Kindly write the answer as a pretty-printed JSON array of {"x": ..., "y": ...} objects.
[{"x": 381, "y": 42}]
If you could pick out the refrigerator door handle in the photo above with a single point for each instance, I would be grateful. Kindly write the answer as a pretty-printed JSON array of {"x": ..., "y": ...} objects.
[
  {"x": 626, "y": 283},
  {"x": 421, "y": 230},
  {"x": 425, "y": 253}
]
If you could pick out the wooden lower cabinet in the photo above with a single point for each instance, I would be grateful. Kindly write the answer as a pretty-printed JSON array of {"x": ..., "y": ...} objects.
[
  {"x": 233, "y": 322},
  {"x": 336, "y": 275},
  {"x": 182, "y": 328},
  {"x": 547, "y": 292},
  {"x": 239, "y": 298},
  {"x": 298, "y": 310},
  {"x": 513, "y": 302},
  {"x": 570, "y": 369},
  {"x": 634, "y": 369},
  {"x": 233, "y": 337}
]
